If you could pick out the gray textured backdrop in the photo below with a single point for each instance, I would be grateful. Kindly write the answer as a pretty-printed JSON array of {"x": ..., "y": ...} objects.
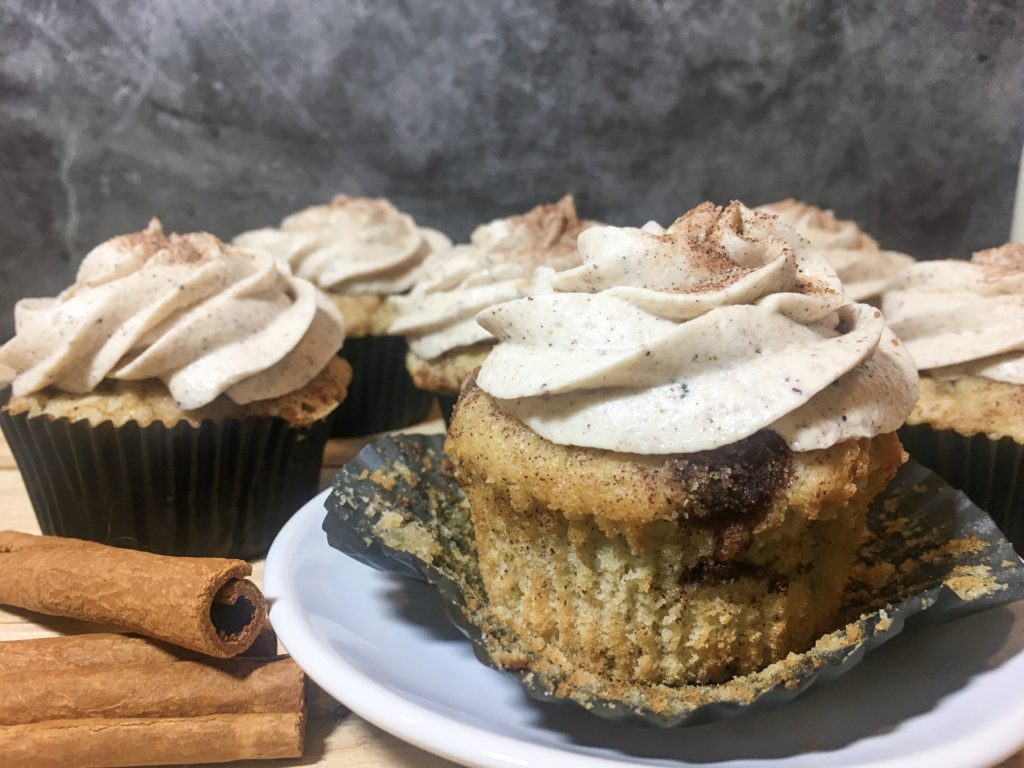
[{"x": 907, "y": 116}]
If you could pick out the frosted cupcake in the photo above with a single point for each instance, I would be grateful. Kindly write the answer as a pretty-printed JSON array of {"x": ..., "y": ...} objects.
[
  {"x": 438, "y": 317},
  {"x": 963, "y": 323},
  {"x": 862, "y": 266},
  {"x": 176, "y": 398},
  {"x": 360, "y": 250},
  {"x": 670, "y": 452}
]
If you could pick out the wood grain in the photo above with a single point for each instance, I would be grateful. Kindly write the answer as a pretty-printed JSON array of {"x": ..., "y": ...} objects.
[{"x": 336, "y": 738}]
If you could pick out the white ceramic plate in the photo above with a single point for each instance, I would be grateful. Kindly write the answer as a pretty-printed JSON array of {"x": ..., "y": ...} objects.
[{"x": 951, "y": 695}]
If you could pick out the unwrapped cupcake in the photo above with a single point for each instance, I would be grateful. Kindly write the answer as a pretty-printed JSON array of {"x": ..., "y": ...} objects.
[
  {"x": 670, "y": 452},
  {"x": 963, "y": 323},
  {"x": 863, "y": 267},
  {"x": 360, "y": 250},
  {"x": 176, "y": 398},
  {"x": 438, "y": 317}
]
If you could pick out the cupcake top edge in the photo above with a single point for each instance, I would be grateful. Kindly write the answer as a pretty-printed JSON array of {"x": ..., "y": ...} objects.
[
  {"x": 496, "y": 265},
  {"x": 963, "y": 317},
  {"x": 694, "y": 337},
  {"x": 857, "y": 258},
  {"x": 206, "y": 318},
  {"x": 351, "y": 245}
]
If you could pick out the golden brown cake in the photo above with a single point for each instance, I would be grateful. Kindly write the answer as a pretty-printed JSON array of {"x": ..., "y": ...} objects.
[
  {"x": 659, "y": 494},
  {"x": 963, "y": 323},
  {"x": 176, "y": 397}
]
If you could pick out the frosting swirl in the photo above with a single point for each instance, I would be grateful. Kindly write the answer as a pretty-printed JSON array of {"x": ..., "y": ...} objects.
[
  {"x": 960, "y": 318},
  {"x": 695, "y": 337},
  {"x": 862, "y": 266},
  {"x": 204, "y": 317},
  {"x": 439, "y": 314},
  {"x": 351, "y": 245}
]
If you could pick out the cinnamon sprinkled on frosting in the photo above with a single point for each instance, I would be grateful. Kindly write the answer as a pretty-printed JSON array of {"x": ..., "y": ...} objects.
[
  {"x": 963, "y": 318},
  {"x": 695, "y": 337},
  {"x": 202, "y": 316},
  {"x": 350, "y": 245},
  {"x": 860, "y": 263},
  {"x": 438, "y": 315}
]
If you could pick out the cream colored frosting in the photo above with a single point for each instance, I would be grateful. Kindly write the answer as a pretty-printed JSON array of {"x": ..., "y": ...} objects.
[
  {"x": 439, "y": 314},
  {"x": 695, "y": 337},
  {"x": 863, "y": 267},
  {"x": 960, "y": 318},
  {"x": 204, "y": 317},
  {"x": 351, "y": 245}
]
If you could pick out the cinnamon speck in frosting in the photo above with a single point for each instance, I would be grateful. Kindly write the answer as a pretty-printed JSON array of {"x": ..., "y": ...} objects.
[
  {"x": 204, "y": 317},
  {"x": 694, "y": 337}
]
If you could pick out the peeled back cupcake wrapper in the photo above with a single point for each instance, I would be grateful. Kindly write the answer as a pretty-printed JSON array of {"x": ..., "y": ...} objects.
[
  {"x": 931, "y": 556},
  {"x": 990, "y": 472},
  {"x": 221, "y": 489},
  {"x": 381, "y": 395}
]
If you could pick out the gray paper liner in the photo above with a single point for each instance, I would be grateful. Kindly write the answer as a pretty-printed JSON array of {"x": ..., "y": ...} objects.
[
  {"x": 930, "y": 556},
  {"x": 381, "y": 396},
  {"x": 218, "y": 490},
  {"x": 990, "y": 472}
]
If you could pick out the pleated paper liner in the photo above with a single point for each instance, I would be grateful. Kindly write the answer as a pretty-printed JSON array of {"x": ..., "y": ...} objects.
[
  {"x": 447, "y": 405},
  {"x": 381, "y": 396},
  {"x": 990, "y": 472},
  {"x": 931, "y": 556},
  {"x": 220, "y": 490}
]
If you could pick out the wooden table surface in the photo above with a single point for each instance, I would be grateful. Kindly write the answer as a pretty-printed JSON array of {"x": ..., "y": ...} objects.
[{"x": 335, "y": 736}]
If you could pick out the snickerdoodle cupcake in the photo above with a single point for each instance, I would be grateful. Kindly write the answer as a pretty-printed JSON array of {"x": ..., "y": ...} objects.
[
  {"x": 361, "y": 250},
  {"x": 176, "y": 398},
  {"x": 670, "y": 452},
  {"x": 438, "y": 317},
  {"x": 963, "y": 323},
  {"x": 861, "y": 264}
]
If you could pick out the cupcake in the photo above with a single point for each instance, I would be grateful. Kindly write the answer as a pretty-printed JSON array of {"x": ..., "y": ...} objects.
[
  {"x": 670, "y": 452},
  {"x": 863, "y": 267},
  {"x": 176, "y": 398},
  {"x": 360, "y": 250},
  {"x": 963, "y": 323},
  {"x": 438, "y": 317}
]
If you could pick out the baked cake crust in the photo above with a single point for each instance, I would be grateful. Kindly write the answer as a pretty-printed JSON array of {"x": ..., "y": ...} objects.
[
  {"x": 148, "y": 401},
  {"x": 446, "y": 374},
  {"x": 971, "y": 405},
  {"x": 662, "y": 570}
]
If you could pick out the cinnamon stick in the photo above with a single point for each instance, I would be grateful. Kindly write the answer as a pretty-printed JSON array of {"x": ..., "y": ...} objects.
[
  {"x": 105, "y": 649},
  {"x": 204, "y": 604},
  {"x": 110, "y": 700},
  {"x": 154, "y": 690},
  {"x": 111, "y": 743}
]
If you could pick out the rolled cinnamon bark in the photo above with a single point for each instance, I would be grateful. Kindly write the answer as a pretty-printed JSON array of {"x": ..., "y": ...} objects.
[
  {"x": 205, "y": 604},
  {"x": 111, "y": 743},
  {"x": 111, "y": 700},
  {"x": 104, "y": 649},
  {"x": 162, "y": 689}
]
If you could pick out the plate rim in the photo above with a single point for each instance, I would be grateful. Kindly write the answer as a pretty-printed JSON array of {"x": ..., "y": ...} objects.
[{"x": 480, "y": 748}]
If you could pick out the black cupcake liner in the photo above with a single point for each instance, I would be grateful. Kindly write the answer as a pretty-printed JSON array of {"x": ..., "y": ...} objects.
[
  {"x": 927, "y": 538},
  {"x": 990, "y": 472},
  {"x": 222, "y": 489},
  {"x": 381, "y": 396},
  {"x": 447, "y": 405}
]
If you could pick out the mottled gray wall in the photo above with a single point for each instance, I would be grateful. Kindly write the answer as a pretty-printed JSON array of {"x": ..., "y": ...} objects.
[{"x": 907, "y": 116}]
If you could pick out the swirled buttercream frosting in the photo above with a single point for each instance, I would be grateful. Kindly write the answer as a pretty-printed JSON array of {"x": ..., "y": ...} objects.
[
  {"x": 357, "y": 245},
  {"x": 961, "y": 318},
  {"x": 694, "y": 337},
  {"x": 497, "y": 265},
  {"x": 862, "y": 266},
  {"x": 204, "y": 317}
]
